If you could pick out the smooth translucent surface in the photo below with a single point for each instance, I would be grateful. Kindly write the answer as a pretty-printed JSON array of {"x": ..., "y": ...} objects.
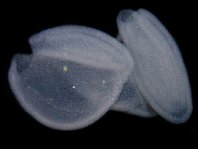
[
  {"x": 159, "y": 69},
  {"x": 76, "y": 74},
  {"x": 131, "y": 100},
  {"x": 72, "y": 78}
]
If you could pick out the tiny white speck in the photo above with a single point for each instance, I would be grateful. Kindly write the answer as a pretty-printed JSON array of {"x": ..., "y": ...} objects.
[
  {"x": 103, "y": 81},
  {"x": 73, "y": 87},
  {"x": 65, "y": 68},
  {"x": 50, "y": 99},
  {"x": 112, "y": 98}
]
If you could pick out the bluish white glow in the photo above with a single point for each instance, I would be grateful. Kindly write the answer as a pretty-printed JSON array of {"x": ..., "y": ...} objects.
[
  {"x": 76, "y": 74},
  {"x": 159, "y": 70},
  {"x": 66, "y": 74}
]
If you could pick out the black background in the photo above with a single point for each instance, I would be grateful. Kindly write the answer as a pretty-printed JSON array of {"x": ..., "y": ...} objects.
[{"x": 20, "y": 20}]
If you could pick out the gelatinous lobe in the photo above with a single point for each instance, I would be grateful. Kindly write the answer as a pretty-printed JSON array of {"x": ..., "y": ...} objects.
[
  {"x": 132, "y": 101},
  {"x": 159, "y": 69},
  {"x": 76, "y": 74},
  {"x": 60, "y": 84}
]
